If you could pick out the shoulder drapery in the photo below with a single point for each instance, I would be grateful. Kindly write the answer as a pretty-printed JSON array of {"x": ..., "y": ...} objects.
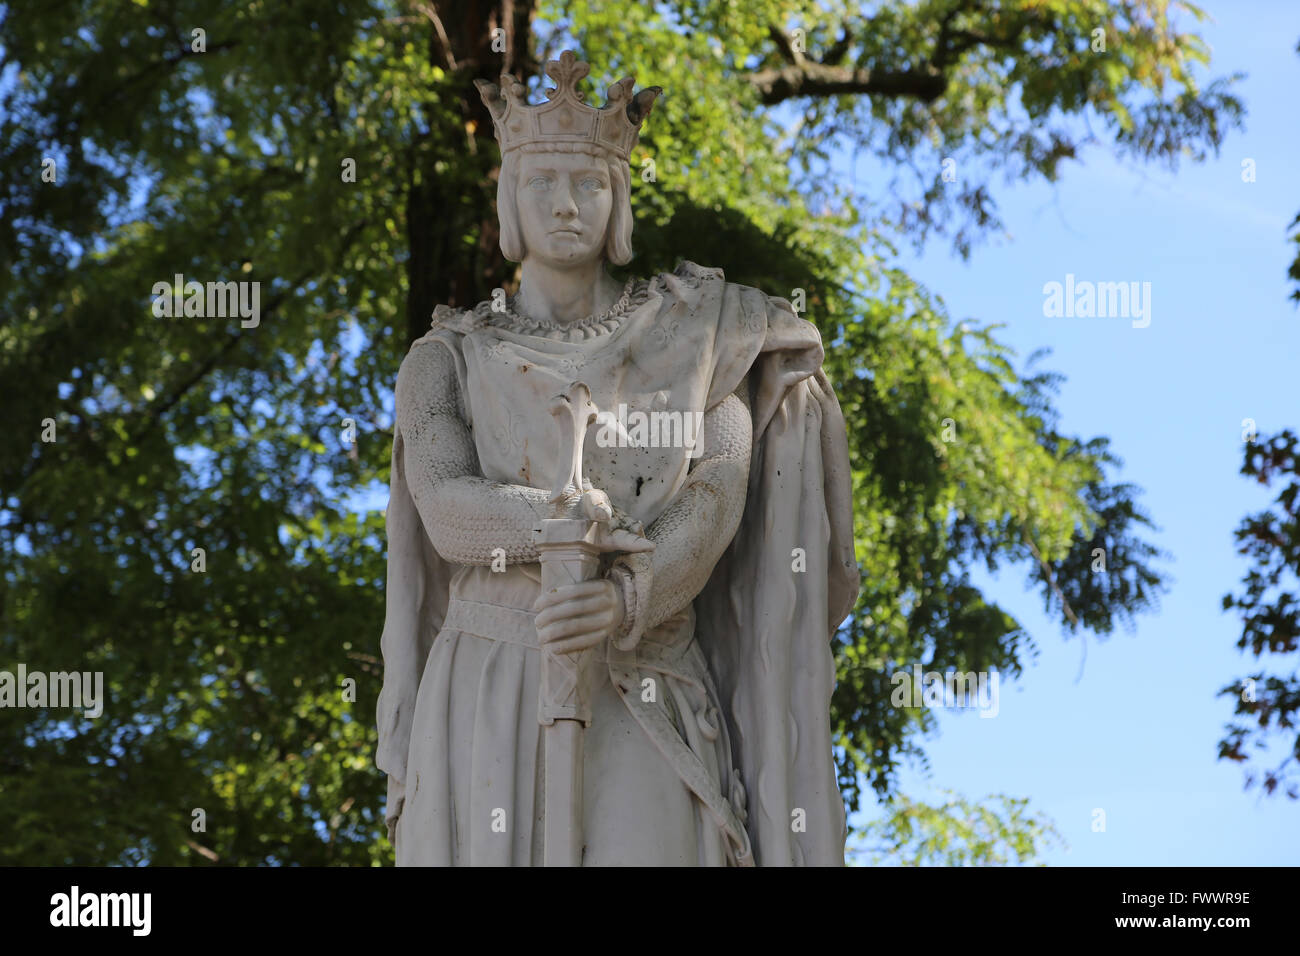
[{"x": 777, "y": 596}]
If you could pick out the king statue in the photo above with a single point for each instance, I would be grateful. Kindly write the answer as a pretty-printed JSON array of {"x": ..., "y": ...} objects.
[{"x": 620, "y": 542}]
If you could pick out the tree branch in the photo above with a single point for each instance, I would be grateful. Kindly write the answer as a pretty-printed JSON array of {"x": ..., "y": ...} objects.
[
  {"x": 788, "y": 52},
  {"x": 817, "y": 79},
  {"x": 926, "y": 81}
]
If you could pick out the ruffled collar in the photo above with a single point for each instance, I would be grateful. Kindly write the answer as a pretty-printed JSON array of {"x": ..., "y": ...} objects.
[
  {"x": 635, "y": 293},
  {"x": 602, "y": 323}
]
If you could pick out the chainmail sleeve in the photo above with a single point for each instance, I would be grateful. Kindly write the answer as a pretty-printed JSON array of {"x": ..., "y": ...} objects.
[
  {"x": 694, "y": 530},
  {"x": 466, "y": 516}
]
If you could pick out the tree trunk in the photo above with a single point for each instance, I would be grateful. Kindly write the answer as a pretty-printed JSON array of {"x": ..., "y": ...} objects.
[{"x": 442, "y": 211}]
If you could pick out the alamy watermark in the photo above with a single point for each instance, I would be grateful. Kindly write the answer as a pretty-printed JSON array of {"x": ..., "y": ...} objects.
[
  {"x": 57, "y": 689},
  {"x": 215, "y": 300},
  {"x": 75, "y": 908},
  {"x": 1101, "y": 300},
  {"x": 958, "y": 689},
  {"x": 657, "y": 429}
]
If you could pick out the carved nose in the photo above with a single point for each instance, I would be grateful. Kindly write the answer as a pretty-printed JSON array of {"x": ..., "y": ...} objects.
[{"x": 565, "y": 207}]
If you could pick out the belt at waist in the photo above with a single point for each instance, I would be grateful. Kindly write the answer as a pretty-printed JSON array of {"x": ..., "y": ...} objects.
[{"x": 493, "y": 621}]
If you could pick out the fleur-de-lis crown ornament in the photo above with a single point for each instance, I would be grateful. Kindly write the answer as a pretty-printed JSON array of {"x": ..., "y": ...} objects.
[{"x": 564, "y": 117}]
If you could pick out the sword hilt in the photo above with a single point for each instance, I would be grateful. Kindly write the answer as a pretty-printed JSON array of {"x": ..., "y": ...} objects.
[{"x": 574, "y": 412}]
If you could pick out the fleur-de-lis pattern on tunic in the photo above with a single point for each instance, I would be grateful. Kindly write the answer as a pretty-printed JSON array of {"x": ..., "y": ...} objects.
[
  {"x": 572, "y": 364},
  {"x": 753, "y": 321},
  {"x": 510, "y": 433},
  {"x": 665, "y": 333}
]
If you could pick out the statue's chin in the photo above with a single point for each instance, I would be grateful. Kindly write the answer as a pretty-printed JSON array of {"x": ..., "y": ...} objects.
[{"x": 566, "y": 258}]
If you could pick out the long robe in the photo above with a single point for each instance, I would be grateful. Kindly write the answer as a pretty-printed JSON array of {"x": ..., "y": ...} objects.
[{"x": 730, "y": 761}]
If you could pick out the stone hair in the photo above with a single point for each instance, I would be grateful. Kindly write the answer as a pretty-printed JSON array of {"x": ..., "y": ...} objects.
[{"x": 618, "y": 233}]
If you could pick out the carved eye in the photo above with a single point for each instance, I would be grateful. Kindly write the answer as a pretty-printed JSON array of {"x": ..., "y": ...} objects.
[
  {"x": 591, "y": 184},
  {"x": 539, "y": 183}
]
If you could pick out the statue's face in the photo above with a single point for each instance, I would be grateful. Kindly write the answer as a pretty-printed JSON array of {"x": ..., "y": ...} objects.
[{"x": 564, "y": 200}]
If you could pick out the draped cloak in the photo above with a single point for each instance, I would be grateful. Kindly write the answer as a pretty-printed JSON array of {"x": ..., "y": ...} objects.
[{"x": 764, "y": 620}]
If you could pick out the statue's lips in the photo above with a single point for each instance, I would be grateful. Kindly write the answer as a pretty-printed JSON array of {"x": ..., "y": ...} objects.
[{"x": 566, "y": 232}]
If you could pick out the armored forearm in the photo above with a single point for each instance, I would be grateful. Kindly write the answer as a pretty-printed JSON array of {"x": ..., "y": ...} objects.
[
  {"x": 467, "y": 517},
  {"x": 694, "y": 530}
]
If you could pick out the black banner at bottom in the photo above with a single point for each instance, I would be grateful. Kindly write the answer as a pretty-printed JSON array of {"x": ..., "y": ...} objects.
[{"x": 333, "y": 906}]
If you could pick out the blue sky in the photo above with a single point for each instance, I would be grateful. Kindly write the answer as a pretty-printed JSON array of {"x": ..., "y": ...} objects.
[{"x": 1136, "y": 735}]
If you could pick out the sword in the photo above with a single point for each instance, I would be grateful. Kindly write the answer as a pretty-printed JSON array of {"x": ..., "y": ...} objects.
[{"x": 569, "y": 554}]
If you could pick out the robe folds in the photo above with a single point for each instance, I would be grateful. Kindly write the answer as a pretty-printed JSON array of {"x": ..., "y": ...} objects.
[{"x": 731, "y": 762}]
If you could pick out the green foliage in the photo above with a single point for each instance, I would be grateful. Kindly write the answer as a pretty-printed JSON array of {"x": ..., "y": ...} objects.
[
  {"x": 174, "y": 434},
  {"x": 1269, "y": 605},
  {"x": 998, "y": 831}
]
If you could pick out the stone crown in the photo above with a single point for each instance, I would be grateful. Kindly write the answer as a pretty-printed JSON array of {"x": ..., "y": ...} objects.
[{"x": 564, "y": 117}]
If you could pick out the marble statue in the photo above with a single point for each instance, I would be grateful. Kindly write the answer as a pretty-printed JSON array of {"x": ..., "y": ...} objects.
[{"x": 620, "y": 541}]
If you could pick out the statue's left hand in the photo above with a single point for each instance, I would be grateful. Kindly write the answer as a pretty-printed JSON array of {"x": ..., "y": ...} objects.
[
  {"x": 578, "y": 616},
  {"x": 616, "y": 530},
  {"x": 396, "y": 800}
]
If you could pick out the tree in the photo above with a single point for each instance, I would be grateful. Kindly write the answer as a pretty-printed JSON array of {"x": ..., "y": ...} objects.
[
  {"x": 1269, "y": 605},
  {"x": 338, "y": 154}
]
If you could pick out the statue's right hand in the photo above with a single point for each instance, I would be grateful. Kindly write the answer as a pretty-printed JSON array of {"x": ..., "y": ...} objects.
[{"x": 574, "y": 617}]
